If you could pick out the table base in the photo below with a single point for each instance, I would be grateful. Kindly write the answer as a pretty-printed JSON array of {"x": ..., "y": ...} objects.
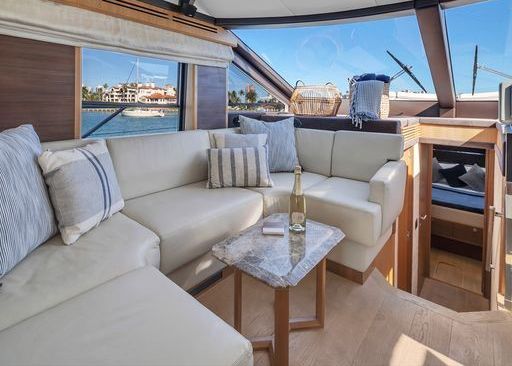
[{"x": 278, "y": 344}]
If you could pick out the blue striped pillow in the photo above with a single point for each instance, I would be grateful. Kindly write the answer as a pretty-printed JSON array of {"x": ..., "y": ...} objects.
[
  {"x": 83, "y": 188},
  {"x": 26, "y": 214},
  {"x": 282, "y": 154}
]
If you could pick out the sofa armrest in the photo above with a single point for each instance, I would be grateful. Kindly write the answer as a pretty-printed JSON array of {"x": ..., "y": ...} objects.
[{"x": 387, "y": 188}]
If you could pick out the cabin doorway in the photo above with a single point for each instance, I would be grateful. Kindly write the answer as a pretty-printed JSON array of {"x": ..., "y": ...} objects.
[{"x": 455, "y": 204}]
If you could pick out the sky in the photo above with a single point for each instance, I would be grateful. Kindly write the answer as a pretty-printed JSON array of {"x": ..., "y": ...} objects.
[
  {"x": 100, "y": 67},
  {"x": 334, "y": 53}
]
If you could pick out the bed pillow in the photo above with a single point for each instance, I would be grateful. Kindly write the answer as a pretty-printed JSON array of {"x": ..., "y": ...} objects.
[
  {"x": 452, "y": 175},
  {"x": 282, "y": 154},
  {"x": 238, "y": 167},
  {"x": 223, "y": 140},
  {"x": 83, "y": 188},
  {"x": 26, "y": 213},
  {"x": 436, "y": 175},
  {"x": 474, "y": 178}
]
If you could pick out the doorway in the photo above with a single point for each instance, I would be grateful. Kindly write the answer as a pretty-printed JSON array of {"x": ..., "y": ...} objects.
[{"x": 456, "y": 200}]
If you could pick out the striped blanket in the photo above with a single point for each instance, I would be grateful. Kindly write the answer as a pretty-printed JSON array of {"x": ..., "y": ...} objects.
[{"x": 366, "y": 97}]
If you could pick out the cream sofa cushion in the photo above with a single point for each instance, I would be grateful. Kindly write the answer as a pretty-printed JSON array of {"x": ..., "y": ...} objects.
[
  {"x": 314, "y": 148},
  {"x": 357, "y": 256},
  {"x": 55, "y": 272},
  {"x": 140, "y": 318},
  {"x": 190, "y": 219},
  {"x": 277, "y": 198},
  {"x": 196, "y": 271},
  {"x": 387, "y": 188},
  {"x": 344, "y": 203},
  {"x": 358, "y": 155},
  {"x": 153, "y": 163}
]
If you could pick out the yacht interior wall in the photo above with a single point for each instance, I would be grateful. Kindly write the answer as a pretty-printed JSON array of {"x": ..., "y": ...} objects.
[
  {"x": 211, "y": 91},
  {"x": 37, "y": 86}
]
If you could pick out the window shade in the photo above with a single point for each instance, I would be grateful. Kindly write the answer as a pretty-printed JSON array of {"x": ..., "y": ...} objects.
[{"x": 51, "y": 22}]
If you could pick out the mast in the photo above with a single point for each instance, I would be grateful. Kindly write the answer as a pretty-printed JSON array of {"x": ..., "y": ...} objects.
[{"x": 137, "y": 82}]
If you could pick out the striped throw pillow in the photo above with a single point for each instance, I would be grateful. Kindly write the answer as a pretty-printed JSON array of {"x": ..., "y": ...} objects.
[
  {"x": 26, "y": 213},
  {"x": 223, "y": 140},
  {"x": 238, "y": 167},
  {"x": 83, "y": 188}
]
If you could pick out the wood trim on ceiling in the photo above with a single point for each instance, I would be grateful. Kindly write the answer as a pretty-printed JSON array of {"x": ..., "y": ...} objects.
[
  {"x": 156, "y": 16},
  {"x": 173, "y": 7}
]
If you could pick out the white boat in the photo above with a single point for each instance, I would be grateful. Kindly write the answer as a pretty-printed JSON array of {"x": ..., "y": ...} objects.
[{"x": 142, "y": 113}]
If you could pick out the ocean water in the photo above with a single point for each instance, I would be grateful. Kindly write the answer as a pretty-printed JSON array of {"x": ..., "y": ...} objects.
[{"x": 124, "y": 126}]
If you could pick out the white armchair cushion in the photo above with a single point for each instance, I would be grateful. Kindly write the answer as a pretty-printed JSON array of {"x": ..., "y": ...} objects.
[
  {"x": 387, "y": 188},
  {"x": 344, "y": 203},
  {"x": 359, "y": 155}
]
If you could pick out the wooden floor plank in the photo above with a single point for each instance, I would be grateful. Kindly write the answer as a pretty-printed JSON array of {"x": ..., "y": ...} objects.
[
  {"x": 455, "y": 298},
  {"x": 471, "y": 344},
  {"x": 432, "y": 329},
  {"x": 391, "y": 323}
]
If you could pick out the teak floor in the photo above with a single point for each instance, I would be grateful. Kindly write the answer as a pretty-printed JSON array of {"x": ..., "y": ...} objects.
[
  {"x": 456, "y": 270},
  {"x": 370, "y": 324}
]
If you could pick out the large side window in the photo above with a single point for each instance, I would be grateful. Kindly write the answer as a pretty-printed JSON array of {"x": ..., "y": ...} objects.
[
  {"x": 334, "y": 53},
  {"x": 480, "y": 38},
  {"x": 124, "y": 94},
  {"x": 245, "y": 94}
]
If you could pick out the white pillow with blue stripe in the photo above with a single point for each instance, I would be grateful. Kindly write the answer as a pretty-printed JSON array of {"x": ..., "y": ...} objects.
[
  {"x": 26, "y": 214},
  {"x": 83, "y": 188}
]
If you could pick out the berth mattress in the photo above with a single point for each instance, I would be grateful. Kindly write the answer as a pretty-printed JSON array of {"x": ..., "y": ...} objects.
[
  {"x": 140, "y": 318},
  {"x": 458, "y": 198}
]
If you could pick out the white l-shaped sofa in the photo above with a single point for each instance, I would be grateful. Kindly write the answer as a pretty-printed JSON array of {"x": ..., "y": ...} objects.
[{"x": 106, "y": 299}]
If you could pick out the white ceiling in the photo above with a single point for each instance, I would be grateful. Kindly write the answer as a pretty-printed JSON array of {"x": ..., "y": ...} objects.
[{"x": 275, "y": 8}]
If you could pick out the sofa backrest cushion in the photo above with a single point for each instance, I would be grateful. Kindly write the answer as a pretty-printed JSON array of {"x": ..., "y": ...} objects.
[
  {"x": 314, "y": 148},
  {"x": 154, "y": 163},
  {"x": 213, "y": 143},
  {"x": 26, "y": 214},
  {"x": 358, "y": 155}
]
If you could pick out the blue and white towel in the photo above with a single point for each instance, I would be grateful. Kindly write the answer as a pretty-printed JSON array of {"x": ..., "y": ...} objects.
[{"x": 366, "y": 97}]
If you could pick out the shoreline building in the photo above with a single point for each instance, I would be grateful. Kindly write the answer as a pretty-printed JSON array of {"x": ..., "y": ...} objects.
[{"x": 140, "y": 93}]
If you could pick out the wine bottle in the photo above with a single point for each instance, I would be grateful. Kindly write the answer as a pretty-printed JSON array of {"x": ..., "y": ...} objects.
[{"x": 297, "y": 212}]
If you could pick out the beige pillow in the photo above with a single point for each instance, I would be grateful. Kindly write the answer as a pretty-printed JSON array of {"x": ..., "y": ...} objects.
[{"x": 238, "y": 167}]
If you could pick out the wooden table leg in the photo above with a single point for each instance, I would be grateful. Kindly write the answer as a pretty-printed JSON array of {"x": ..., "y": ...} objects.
[
  {"x": 238, "y": 300},
  {"x": 318, "y": 320},
  {"x": 320, "y": 291},
  {"x": 281, "y": 327}
]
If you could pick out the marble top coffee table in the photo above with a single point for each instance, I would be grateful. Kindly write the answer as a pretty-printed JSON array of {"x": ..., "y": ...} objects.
[{"x": 280, "y": 262}]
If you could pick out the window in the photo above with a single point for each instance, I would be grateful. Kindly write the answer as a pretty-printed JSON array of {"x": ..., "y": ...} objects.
[
  {"x": 124, "y": 94},
  {"x": 246, "y": 94},
  {"x": 335, "y": 53},
  {"x": 488, "y": 26}
]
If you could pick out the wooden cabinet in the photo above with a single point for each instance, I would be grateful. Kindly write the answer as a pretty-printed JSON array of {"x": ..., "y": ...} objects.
[{"x": 459, "y": 232}]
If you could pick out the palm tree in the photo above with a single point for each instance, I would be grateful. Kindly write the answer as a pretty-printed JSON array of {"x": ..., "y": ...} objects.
[
  {"x": 251, "y": 96},
  {"x": 233, "y": 97},
  {"x": 86, "y": 95}
]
